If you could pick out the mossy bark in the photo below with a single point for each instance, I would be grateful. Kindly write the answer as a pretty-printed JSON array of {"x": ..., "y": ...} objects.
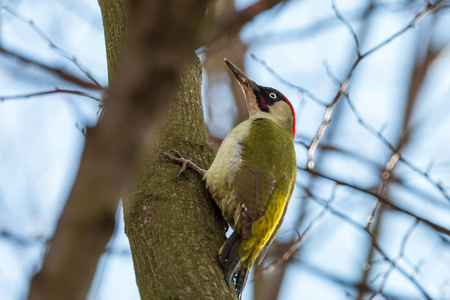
[
  {"x": 115, "y": 21},
  {"x": 174, "y": 227}
]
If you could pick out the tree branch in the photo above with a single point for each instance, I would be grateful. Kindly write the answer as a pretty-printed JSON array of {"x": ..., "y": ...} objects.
[
  {"x": 55, "y": 71},
  {"x": 43, "y": 93},
  {"x": 343, "y": 88},
  {"x": 51, "y": 44}
]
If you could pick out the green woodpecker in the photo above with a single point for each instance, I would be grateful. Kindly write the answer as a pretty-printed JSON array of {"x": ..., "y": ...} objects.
[{"x": 252, "y": 177}]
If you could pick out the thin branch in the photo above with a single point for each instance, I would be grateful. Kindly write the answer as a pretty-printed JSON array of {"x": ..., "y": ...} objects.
[
  {"x": 43, "y": 93},
  {"x": 385, "y": 176},
  {"x": 344, "y": 281},
  {"x": 300, "y": 89},
  {"x": 406, "y": 162},
  {"x": 318, "y": 26},
  {"x": 343, "y": 88},
  {"x": 22, "y": 241},
  {"x": 82, "y": 129},
  {"x": 376, "y": 246},
  {"x": 347, "y": 24},
  {"x": 412, "y": 24},
  {"x": 301, "y": 238},
  {"x": 232, "y": 22},
  {"x": 436, "y": 227},
  {"x": 396, "y": 260},
  {"x": 330, "y": 73},
  {"x": 51, "y": 44},
  {"x": 55, "y": 71},
  {"x": 326, "y": 121}
]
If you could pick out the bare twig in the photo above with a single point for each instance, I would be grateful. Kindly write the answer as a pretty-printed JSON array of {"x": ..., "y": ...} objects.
[
  {"x": 436, "y": 227},
  {"x": 376, "y": 246},
  {"x": 396, "y": 260},
  {"x": 343, "y": 281},
  {"x": 58, "y": 72},
  {"x": 82, "y": 129},
  {"x": 301, "y": 238},
  {"x": 330, "y": 73},
  {"x": 22, "y": 241},
  {"x": 300, "y": 89},
  {"x": 385, "y": 176},
  {"x": 406, "y": 162},
  {"x": 317, "y": 27},
  {"x": 43, "y": 93},
  {"x": 343, "y": 88},
  {"x": 347, "y": 24},
  {"x": 232, "y": 22},
  {"x": 51, "y": 44}
]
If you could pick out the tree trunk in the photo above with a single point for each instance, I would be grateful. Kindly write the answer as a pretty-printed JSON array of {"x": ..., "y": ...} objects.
[
  {"x": 161, "y": 36},
  {"x": 174, "y": 227}
]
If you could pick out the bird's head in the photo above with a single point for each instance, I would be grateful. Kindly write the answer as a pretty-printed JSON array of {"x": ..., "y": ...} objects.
[{"x": 264, "y": 100}]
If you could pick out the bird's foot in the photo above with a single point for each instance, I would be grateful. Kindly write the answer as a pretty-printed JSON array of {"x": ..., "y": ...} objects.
[{"x": 175, "y": 156}]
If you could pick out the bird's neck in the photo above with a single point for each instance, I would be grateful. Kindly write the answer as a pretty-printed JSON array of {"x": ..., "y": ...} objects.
[{"x": 285, "y": 120}]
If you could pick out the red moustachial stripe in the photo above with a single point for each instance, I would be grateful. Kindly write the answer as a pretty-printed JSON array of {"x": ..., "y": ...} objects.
[{"x": 262, "y": 102}]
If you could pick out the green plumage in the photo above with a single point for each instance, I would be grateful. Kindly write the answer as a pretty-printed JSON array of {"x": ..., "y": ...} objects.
[
  {"x": 252, "y": 177},
  {"x": 251, "y": 180}
]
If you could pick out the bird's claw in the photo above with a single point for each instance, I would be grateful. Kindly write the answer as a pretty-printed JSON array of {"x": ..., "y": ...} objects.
[
  {"x": 175, "y": 156},
  {"x": 175, "y": 152}
]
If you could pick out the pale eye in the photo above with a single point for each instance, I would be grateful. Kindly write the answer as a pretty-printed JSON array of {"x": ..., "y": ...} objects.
[{"x": 273, "y": 95}]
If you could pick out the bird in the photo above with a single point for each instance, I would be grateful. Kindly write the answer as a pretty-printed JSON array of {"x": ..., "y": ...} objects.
[{"x": 252, "y": 177}]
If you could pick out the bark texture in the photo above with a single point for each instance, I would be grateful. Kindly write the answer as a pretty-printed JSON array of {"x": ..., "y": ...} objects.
[
  {"x": 174, "y": 227},
  {"x": 115, "y": 15}
]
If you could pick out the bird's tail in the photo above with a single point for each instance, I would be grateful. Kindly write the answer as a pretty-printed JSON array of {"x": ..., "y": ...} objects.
[
  {"x": 241, "y": 279},
  {"x": 232, "y": 264}
]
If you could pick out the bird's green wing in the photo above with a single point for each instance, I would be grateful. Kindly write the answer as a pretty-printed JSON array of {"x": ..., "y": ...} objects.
[{"x": 263, "y": 164}]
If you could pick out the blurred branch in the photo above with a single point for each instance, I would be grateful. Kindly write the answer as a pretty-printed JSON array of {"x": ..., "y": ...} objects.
[
  {"x": 417, "y": 80},
  {"x": 51, "y": 44},
  {"x": 300, "y": 89},
  {"x": 420, "y": 70},
  {"x": 342, "y": 281},
  {"x": 82, "y": 129},
  {"x": 374, "y": 243},
  {"x": 22, "y": 241},
  {"x": 321, "y": 25},
  {"x": 233, "y": 21},
  {"x": 55, "y": 71},
  {"x": 301, "y": 238},
  {"x": 55, "y": 91},
  {"x": 296, "y": 35},
  {"x": 344, "y": 21},
  {"x": 385, "y": 176},
  {"x": 96, "y": 284},
  {"x": 379, "y": 135},
  {"x": 396, "y": 260},
  {"x": 436, "y": 227},
  {"x": 361, "y": 56},
  {"x": 217, "y": 72}
]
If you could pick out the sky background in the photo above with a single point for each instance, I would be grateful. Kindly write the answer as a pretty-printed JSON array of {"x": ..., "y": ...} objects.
[{"x": 41, "y": 142}]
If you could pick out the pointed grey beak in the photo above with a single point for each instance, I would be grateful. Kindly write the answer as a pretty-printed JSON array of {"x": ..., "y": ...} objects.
[
  {"x": 240, "y": 76},
  {"x": 248, "y": 87}
]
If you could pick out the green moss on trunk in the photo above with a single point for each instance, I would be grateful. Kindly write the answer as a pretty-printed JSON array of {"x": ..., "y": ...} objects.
[
  {"x": 115, "y": 22},
  {"x": 174, "y": 227}
]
